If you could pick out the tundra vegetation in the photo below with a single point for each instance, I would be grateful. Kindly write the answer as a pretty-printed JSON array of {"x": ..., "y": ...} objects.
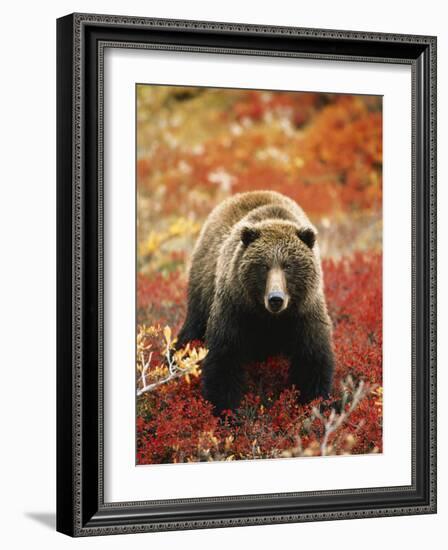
[{"x": 195, "y": 147}]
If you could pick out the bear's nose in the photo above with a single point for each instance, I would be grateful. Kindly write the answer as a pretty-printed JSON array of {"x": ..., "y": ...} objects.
[{"x": 275, "y": 301}]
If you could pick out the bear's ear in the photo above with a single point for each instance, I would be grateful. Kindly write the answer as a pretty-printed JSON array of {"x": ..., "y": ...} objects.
[
  {"x": 307, "y": 235},
  {"x": 249, "y": 234}
]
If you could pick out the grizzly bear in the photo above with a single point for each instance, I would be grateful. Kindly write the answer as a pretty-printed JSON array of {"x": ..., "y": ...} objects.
[{"x": 255, "y": 290}]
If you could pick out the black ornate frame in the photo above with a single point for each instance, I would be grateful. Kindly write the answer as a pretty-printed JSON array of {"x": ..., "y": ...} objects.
[{"x": 81, "y": 39}]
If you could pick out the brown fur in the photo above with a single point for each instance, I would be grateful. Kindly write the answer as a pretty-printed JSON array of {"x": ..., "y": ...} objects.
[{"x": 242, "y": 241}]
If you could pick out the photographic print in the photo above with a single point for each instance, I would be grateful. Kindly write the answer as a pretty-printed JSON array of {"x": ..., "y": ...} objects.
[{"x": 259, "y": 274}]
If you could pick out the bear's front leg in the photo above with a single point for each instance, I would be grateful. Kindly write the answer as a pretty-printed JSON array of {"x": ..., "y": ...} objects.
[
  {"x": 195, "y": 322},
  {"x": 221, "y": 378},
  {"x": 312, "y": 361}
]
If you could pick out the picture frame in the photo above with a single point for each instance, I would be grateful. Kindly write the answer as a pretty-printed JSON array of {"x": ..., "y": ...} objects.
[{"x": 81, "y": 506}]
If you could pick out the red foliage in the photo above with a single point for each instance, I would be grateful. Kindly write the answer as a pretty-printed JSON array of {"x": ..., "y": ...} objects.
[
  {"x": 162, "y": 297},
  {"x": 305, "y": 162},
  {"x": 175, "y": 424},
  {"x": 254, "y": 105},
  {"x": 181, "y": 423}
]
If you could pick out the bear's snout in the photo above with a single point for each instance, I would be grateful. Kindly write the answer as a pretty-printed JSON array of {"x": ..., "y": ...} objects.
[
  {"x": 275, "y": 301},
  {"x": 276, "y": 297}
]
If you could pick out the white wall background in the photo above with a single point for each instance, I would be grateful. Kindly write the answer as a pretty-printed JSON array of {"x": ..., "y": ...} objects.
[{"x": 27, "y": 303}]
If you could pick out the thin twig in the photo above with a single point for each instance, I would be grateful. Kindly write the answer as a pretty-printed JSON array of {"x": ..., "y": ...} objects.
[
  {"x": 335, "y": 421},
  {"x": 145, "y": 367},
  {"x": 175, "y": 370}
]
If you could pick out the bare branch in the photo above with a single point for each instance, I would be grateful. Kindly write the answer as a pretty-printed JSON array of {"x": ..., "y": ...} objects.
[
  {"x": 184, "y": 362},
  {"x": 335, "y": 421},
  {"x": 145, "y": 365}
]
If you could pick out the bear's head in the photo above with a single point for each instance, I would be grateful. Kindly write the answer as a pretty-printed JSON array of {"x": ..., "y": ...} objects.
[{"x": 278, "y": 268}]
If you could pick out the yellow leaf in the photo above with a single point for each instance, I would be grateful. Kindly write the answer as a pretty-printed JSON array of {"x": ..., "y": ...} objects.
[
  {"x": 299, "y": 162},
  {"x": 167, "y": 335}
]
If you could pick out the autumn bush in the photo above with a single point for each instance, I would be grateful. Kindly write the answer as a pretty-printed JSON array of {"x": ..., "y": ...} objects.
[
  {"x": 175, "y": 424},
  {"x": 197, "y": 146}
]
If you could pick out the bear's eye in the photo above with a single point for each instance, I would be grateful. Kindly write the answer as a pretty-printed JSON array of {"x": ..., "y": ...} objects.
[{"x": 287, "y": 267}]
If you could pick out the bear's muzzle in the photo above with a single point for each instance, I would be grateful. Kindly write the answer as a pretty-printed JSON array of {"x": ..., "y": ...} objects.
[{"x": 276, "y": 296}]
